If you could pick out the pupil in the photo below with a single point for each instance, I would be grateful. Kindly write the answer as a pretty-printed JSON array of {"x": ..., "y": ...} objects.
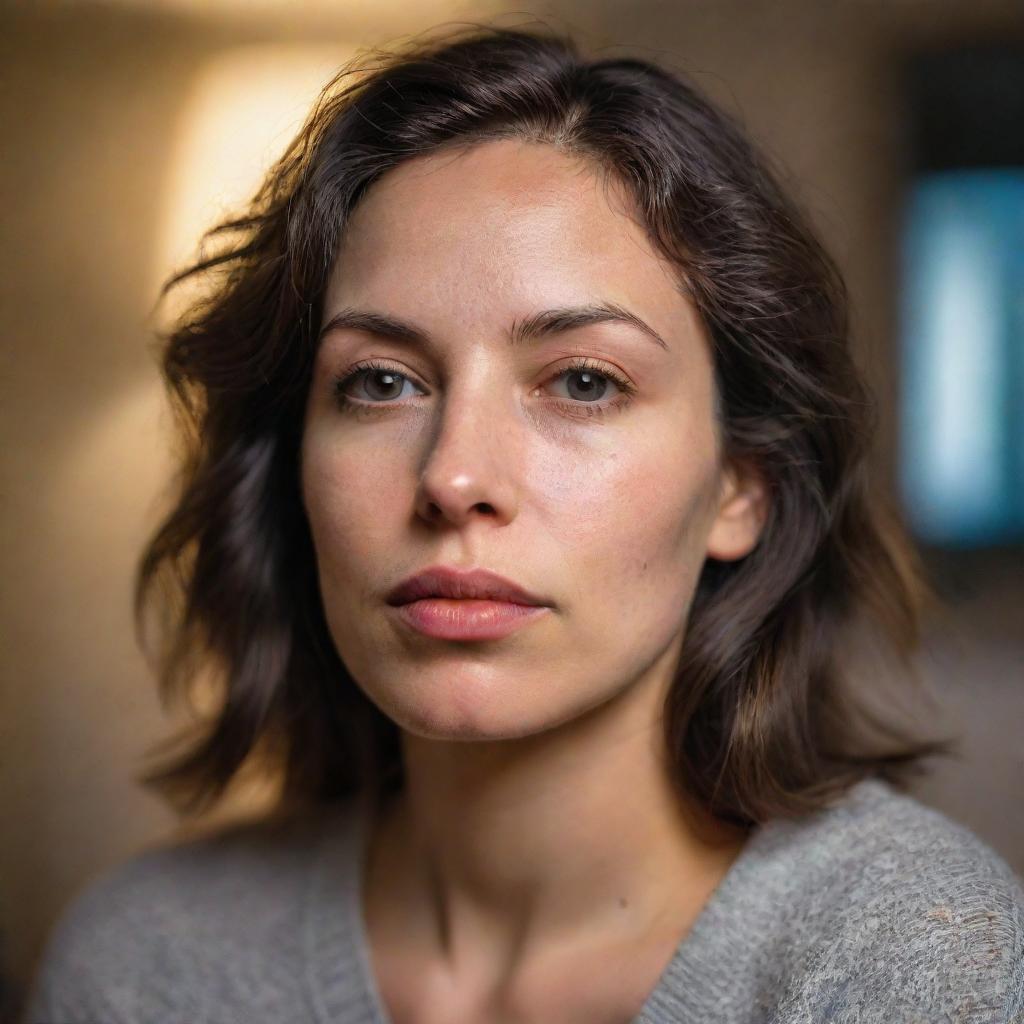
[
  {"x": 593, "y": 383},
  {"x": 388, "y": 376},
  {"x": 594, "y": 386}
]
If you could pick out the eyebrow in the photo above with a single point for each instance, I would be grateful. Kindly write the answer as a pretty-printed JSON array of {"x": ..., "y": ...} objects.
[{"x": 546, "y": 323}]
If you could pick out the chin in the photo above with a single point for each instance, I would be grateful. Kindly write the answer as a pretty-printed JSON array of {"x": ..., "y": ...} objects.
[
  {"x": 463, "y": 723},
  {"x": 472, "y": 712}
]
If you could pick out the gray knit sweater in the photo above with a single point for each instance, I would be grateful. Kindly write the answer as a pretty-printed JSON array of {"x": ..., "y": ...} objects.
[{"x": 877, "y": 910}]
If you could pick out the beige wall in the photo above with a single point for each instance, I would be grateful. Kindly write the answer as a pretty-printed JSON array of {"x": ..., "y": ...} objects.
[{"x": 92, "y": 101}]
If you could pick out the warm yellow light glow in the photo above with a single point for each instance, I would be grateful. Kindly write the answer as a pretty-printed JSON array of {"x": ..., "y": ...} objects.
[
  {"x": 242, "y": 111},
  {"x": 362, "y": 16}
]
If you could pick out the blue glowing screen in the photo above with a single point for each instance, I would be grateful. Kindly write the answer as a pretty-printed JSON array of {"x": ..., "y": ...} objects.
[{"x": 962, "y": 345}]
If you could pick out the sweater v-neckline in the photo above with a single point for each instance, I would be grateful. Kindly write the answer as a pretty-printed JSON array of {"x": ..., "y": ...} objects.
[{"x": 340, "y": 973}]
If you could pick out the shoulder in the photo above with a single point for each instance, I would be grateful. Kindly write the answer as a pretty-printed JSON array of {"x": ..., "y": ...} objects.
[
  {"x": 902, "y": 912},
  {"x": 149, "y": 938}
]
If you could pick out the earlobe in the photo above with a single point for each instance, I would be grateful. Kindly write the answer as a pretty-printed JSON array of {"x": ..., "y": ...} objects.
[{"x": 741, "y": 513}]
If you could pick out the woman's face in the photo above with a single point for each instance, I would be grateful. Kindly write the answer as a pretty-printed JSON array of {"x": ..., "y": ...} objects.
[{"x": 603, "y": 498}]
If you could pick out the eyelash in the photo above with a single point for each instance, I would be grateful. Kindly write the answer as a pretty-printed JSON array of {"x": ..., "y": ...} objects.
[{"x": 576, "y": 365}]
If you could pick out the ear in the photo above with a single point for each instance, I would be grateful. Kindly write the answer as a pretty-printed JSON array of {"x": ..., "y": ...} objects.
[{"x": 741, "y": 511}]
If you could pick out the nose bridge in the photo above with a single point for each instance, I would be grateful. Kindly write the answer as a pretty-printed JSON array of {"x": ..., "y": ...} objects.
[{"x": 471, "y": 460}]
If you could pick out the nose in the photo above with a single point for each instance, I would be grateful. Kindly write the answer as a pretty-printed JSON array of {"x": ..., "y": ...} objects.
[{"x": 470, "y": 468}]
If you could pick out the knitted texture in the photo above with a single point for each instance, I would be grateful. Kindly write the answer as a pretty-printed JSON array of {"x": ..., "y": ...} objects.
[{"x": 878, "y": 909}]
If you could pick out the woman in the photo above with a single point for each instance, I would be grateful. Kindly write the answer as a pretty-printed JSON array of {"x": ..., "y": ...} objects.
[{"x": 523, "y": 523}]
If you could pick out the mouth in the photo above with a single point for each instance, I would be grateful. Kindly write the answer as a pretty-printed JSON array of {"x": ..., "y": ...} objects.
[
  {"x": 465, "y": 618},
  {"x": 453, "y": 584},
  {"x": 454, "y": 604}
]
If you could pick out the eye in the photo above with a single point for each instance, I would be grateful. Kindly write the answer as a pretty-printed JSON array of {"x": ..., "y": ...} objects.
[
  {"x": 587, "y": 384},
  {"x": 382, "y": 383}
]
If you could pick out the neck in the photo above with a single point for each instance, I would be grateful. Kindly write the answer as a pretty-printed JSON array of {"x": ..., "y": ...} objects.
[{"x": 497, "y": 849}]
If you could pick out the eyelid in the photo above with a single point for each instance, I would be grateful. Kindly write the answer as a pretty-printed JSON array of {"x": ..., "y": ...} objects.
[
  {"x": 366, "y": 366},
  {"x": 578, "y": 364}
]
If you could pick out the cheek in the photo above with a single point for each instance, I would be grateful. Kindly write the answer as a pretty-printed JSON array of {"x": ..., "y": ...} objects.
[
  {"x": 632, "y": 525},
  {"x": 347, "y": 491}
]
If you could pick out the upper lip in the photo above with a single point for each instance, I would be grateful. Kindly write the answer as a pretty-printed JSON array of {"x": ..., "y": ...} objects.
[{"x": 477, "y": 584}]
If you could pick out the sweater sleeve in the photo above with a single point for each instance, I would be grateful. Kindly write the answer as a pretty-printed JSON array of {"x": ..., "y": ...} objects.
[
  {"x": 945, "y": 942},
  {"x": 109, "y": 959},
  {"x": 66, "y": 988},
  {"x": 1015, "y": 1002},
  {"x": 204, "y": 931}
]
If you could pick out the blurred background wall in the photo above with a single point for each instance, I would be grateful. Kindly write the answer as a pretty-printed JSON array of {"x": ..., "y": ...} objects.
[{"x": 119, "y": 148}]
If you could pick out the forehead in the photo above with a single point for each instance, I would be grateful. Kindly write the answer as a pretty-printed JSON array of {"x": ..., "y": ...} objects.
[{"x": 501, "y": 222}]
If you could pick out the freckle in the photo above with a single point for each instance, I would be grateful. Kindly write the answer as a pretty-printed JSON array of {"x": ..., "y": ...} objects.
[
  {"x": 644, "y": 569},
  {"x": 622, "y": 901}
]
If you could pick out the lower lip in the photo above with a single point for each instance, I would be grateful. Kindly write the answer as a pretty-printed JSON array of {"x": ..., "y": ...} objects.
[{"x": 465, "y": 619}]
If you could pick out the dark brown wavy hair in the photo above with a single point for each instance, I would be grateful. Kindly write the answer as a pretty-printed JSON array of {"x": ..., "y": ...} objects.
[{"x": 763, "y": 718}]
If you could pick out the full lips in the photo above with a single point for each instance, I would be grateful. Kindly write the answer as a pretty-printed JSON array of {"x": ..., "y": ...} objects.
[{"x": 467, "y": 619}]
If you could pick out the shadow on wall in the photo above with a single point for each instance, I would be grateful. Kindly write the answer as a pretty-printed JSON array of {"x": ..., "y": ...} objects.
[
  {"x": 131, "y": 130},
  {"x": 95, "y": 106}
]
